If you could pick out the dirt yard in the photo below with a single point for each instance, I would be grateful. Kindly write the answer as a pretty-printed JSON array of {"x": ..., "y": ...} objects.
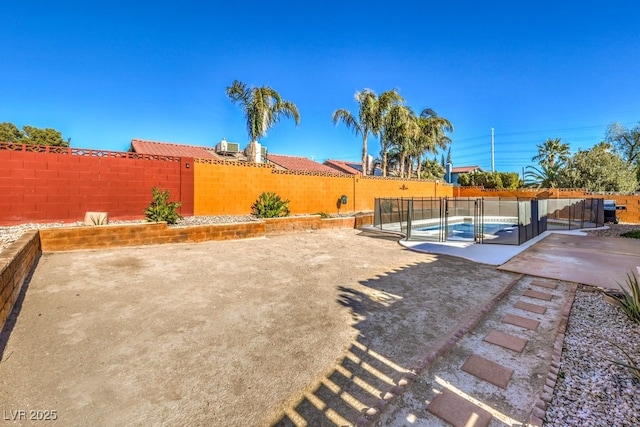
[{"x": 308, "y": 326}]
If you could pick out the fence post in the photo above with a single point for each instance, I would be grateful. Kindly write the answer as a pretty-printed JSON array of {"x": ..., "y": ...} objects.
[{"x": 409, "y": 217}]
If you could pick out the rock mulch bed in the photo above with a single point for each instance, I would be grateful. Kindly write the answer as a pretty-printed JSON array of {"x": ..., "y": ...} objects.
[{"x": 591, "y": 390}]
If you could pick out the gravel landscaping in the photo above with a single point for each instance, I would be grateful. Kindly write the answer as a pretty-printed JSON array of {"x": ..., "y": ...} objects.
[{"x": 591, "y": 390}]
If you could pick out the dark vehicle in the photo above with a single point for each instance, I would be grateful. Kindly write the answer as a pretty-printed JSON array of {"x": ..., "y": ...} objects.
[{"x": 610, "y": 211}]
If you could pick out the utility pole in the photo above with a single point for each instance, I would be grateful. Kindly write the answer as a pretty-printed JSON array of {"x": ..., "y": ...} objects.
[{"x": 493, "y": 166}]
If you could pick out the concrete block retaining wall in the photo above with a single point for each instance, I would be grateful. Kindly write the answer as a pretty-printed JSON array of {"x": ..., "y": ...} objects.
[{"x": 16, "y": 262}]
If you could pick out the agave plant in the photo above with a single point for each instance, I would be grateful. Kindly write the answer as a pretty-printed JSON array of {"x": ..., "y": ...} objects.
[
  {"x": 628, "y": 300},
  {"x": 629, "y": 364}
]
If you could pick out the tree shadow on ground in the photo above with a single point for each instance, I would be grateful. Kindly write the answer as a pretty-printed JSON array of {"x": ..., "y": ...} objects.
[{"x": 401, "y": 317}]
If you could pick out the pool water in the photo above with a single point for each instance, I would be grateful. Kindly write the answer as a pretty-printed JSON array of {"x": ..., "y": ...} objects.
[{"x": 465, "y": 229}]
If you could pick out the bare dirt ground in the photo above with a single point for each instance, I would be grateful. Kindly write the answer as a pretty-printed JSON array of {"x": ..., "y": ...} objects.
[{"x": 302, "y": 328}]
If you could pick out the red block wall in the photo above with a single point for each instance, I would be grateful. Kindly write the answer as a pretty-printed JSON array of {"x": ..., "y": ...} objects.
[{"x": 63, "y": 185}]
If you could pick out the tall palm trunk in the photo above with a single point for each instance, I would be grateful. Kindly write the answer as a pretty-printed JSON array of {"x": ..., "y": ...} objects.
[
  {"x": 384, "y": 163},
  {"x": 364, "y": 154}
]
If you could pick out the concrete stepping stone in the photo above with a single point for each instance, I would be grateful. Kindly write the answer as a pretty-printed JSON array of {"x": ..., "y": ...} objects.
[
  {"x": 505, "y": 340},
  {"x": 534, "y": 308},
  {"x": 545, "y": 284},
  {"x": 488, "y": 370},
  {"x": 523, "y": 322},
  {"x": 458, "y": 411},
  {"x": 538, "y": 295}
]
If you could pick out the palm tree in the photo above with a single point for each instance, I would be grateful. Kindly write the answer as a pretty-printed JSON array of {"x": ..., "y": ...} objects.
[
  {"x": 400, "y": 133},
  {"x": 262, "y": 108},
  {"x": 551, "y": 152},
  {"x": 371, "y": 112},
  {"x": 432, "y": 135},
  {"x": 544, "y": 177}
]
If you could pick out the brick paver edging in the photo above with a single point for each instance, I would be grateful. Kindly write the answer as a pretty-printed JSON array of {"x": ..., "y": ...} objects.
[
  {"x": 540, "y": 409},
  {"x": 370, "y": 415}
]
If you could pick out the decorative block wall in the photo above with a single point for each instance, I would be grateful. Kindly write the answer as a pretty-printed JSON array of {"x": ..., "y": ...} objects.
[{"x": 46, "y": 184}]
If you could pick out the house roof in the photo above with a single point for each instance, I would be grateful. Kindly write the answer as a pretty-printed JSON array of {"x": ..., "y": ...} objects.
[
  {"x": 295, "y": 163},
  {"x": 344, "y": 167},
  {"x": 466, "y": 169},
  {"x": 353, "y": 168},
  {"x": 171, "y": 149}
]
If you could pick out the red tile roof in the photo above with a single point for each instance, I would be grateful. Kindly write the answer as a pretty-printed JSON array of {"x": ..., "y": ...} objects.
[
  {"x": 466, "y": 169},
  {"x": 294, "y": 163},
  {"x": 170, "y": 149},
  {"x": 341, "y": 166}
]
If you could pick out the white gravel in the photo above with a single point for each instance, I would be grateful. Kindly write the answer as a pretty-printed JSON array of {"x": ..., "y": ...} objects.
[{"x": 591, "y": 390}]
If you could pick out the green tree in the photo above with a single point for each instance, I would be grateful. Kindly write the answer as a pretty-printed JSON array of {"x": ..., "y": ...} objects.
[
  {"x": 432, "y": 169},
  {"x": 599, "y": 169},
  {"x": 371, "y": 112},
  {"x": 510, "y": 180},
  {"x": 47, "y": 136},
  {"x": 262, "y": 107},
  {"x": 31, "y": 135},
  {"x": 490, "y": 179},
  {"x": 10, "y": 133},
  {"x": 464, "y": 179},
  {"x": 626, "y": 142},
  {"x": 552, "y": 151}
]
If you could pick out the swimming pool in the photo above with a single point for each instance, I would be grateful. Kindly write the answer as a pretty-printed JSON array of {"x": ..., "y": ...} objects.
[{"x": 465, "y": 230}]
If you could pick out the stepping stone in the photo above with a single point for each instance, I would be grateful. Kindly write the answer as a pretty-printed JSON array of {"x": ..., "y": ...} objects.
[
  {"x": 458, "y": 411},
  {"x": 506, "y": 340},
  {"x": 538, "y": 295},
  {"x": 523, "y": 322},
  {"x": 488, "y": 370},
  {"x": 534, "y": 308},
  {"x": 545, "y": 284}
]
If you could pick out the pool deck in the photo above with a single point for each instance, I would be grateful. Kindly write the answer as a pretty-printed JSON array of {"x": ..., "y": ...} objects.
[
  {"x": 560, "y": 255},
  {"x": 491, "y": 254}
]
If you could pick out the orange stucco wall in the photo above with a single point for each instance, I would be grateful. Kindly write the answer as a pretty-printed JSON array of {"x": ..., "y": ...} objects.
[
  {"x": 230, "y": 188},
  {"x": 631, "y": 202}
]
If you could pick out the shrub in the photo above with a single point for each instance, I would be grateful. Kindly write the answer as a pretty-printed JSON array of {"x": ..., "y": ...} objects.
[
  {"x": 161, "y": 209},
  {"x": 270, "y": 205},
  {"x": 323, "y": 215},
  {"x": 632, "y": 234}
]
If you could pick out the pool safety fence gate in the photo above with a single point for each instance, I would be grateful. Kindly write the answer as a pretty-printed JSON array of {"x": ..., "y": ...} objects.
[{"x": 488, "y": 220}]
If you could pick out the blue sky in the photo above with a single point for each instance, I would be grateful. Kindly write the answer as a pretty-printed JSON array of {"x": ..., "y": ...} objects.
[{"x": 104, "y": 73}]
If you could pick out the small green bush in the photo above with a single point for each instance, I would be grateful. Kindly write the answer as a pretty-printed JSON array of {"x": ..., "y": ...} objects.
[
  {"x": 323, "y": 215},
  {"x": 270, "y": 205},
  {"x": 161, "y": 209},
  {"x": 633, "y": 234}
]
